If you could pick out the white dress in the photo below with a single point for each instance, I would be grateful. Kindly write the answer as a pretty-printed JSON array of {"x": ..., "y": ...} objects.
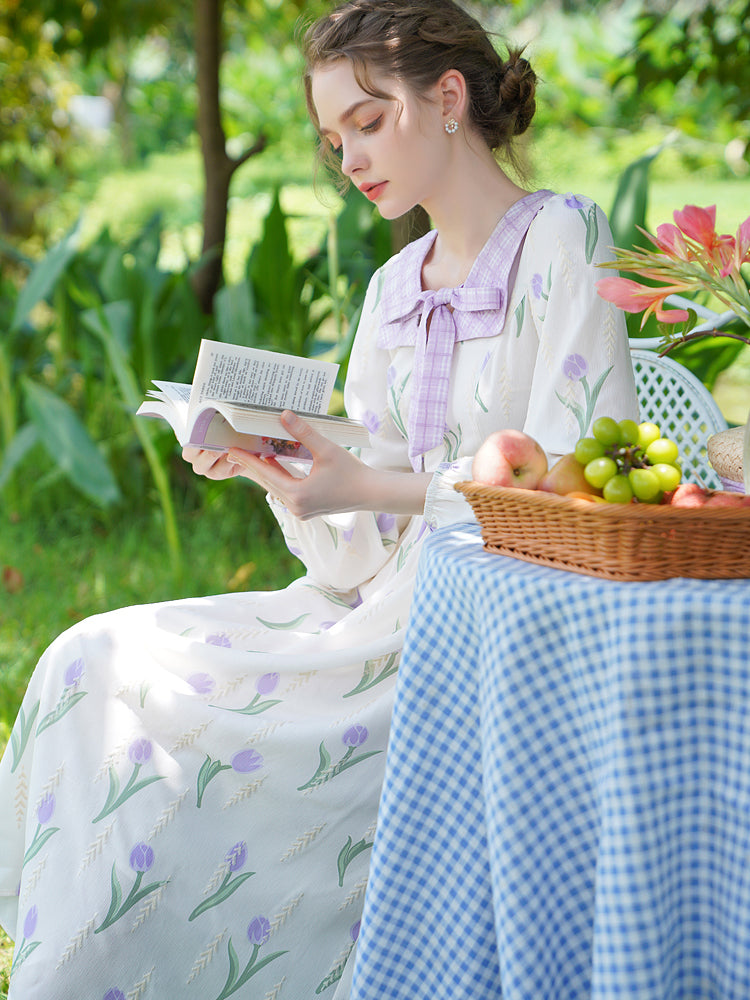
[{"x": 189, "y": 797}]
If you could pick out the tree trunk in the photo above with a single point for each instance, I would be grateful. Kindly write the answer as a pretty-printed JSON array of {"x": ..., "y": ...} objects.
[{"x": 218, "y": 166}]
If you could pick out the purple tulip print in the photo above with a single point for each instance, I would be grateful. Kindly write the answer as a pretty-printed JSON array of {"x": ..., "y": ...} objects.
[
  {"x": 45, "y": 809},
  {"x": 237, "y": 856},
  {"x": 219, "y": 639},
  {"x": 575, "y": 367},
  {"x": 242, "y": 762},
  {"x": 267, "y": 684},
  {"x": 141, "y": 860},
  {"x": 235, "y": 859},
  {"x": 24, "y": 947},
  {"x": 353, "y": 738},
  {"x": 114, "y": 994},
  {"x": 258, "y": 933},
  {"x": 29, "y": 922},
  {"x": 259, "y": 930},
  {"x": 73, "y": 673},
  {"x": 140, "y": 753},
  {"x": 43, "y": 832},
  {"x": 246, "y": 761},
  {"x": 202, "y": 683}
]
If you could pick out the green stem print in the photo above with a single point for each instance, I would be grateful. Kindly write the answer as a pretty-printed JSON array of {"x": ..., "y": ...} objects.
[
  {"x": 371, "y": 676},
  {"x": 69, "y": 697},
  {"x": 266, "y": 684},
  {"x": 353, "y": 738},
  {"x": 258, "y": 932},
  {"x": 338, "y": 970},
  {"x": 243, "y": 762},
  {"x": 43, "y": 815},
  {"x": 25, "y": 947},
  {"x": 235, "y": 860},
  {"x": 21, "y": 733},
  {"x": 139, "y": 753},
  {"x": 141, "y": 861},
  {"x": 576, "y": 369},
  {"x": 348, "y": 853}
]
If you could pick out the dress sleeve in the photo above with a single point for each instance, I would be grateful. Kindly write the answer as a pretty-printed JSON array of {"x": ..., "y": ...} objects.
[
  {"x": 343, "y": 551},
  {"x": 583, "y": 368}
]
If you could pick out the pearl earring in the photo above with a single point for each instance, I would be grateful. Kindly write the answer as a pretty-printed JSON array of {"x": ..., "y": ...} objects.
[{"x": 451, "y": 126}]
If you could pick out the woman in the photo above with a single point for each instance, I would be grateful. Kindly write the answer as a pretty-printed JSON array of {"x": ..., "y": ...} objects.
[{"x": 191, "y": 789}]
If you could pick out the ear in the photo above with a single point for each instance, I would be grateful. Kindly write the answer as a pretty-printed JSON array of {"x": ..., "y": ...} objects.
[{"x": 452, "y": 94}]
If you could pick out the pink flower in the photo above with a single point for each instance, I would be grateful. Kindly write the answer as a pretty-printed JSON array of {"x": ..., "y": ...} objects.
[
  {"x": 670, "y": 241},
  {"x": 633, "y": 297},
  {"x": 698, "y": 224},
  {"x": 741, "y": 253}
]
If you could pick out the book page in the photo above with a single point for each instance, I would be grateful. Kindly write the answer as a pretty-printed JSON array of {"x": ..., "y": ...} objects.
[{"x": 228, "y": 372}]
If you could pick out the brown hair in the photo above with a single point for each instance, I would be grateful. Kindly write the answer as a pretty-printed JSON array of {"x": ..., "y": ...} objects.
[{"x": 416, "y": 41}]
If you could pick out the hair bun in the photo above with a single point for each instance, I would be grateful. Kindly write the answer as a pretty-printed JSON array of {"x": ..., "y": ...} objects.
[{"x": 517, "y": 90}]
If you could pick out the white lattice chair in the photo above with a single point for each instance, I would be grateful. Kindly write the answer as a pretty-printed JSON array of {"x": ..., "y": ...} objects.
[{"x": 672, "y": 397}]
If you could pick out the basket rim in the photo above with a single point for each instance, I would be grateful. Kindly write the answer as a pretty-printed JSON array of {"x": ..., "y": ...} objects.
[{"x": 541, "y": 499}]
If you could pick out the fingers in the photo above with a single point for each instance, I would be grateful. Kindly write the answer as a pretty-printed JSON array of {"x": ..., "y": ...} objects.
[{"x": 211, "y": 464}]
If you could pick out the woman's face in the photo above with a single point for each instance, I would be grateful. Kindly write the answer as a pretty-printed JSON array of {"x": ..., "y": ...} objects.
[{"x": 393, "y": 150}]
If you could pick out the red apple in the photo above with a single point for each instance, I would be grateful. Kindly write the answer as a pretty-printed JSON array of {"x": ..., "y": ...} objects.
[
  {"x": 509, "y": 458},
  {"x": 566, "y": 476}
]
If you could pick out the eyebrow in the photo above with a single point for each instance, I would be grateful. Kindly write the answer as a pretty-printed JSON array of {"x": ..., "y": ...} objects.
[{"x": 351, "y": 110}]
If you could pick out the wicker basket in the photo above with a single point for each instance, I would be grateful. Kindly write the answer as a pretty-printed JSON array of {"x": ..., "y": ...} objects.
[{"x": 614, "y": 541}]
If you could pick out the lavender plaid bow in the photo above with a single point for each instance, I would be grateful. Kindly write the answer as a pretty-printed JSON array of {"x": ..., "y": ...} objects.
[{"x": 474, "y": 309}]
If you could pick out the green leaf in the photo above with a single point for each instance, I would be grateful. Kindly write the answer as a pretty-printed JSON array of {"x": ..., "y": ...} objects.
[
  {"x": 25, "y": 439},
  {"x": 69, "y": 444},
  {"x": 631, "y": 202},
  {"x": 234, "y": 314},
  {"x": 45, "y": 276}
]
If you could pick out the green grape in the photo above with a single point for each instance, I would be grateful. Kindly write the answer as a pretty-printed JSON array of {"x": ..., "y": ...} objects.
[
  {"x": 599, "y": 470},
  {"x": 606, "y": 430},
  {"x": 669, "y": 476},
  {"x": 618, "y": 489},
  {"x": 628, "y": 431},
  {"x": 645, "y": 484},
  {"x": 587, "y": 449},
  {"x": 647, "y": 432},
  {"x": 662, "y": 450}
]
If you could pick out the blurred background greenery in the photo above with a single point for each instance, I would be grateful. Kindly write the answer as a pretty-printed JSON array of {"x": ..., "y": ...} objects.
[{"x": 158, "y": 185}]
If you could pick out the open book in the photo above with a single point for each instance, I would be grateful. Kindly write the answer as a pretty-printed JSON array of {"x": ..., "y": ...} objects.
[{"x": 238, "y": 394}]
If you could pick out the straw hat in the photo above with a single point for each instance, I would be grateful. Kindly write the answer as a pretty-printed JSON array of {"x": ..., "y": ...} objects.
[{"x": 725, "y": 456}]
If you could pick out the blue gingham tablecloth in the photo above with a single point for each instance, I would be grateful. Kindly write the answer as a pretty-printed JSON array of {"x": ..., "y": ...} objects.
[{"x": 566, "y": 809}]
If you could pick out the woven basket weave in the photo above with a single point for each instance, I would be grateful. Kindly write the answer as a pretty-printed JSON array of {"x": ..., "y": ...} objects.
[{"x": 614, "y": 541}]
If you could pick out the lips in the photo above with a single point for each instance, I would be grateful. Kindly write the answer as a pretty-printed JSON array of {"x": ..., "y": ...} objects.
[{"x": 373, "y": 191}]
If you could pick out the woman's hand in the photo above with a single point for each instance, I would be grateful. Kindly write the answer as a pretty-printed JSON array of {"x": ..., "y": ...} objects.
[
  {"x": 337, "y": 481},
  {"x": 212, "y": 464}
]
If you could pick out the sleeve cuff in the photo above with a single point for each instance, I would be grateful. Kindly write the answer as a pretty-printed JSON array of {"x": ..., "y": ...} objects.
[{"x": 443, "y": 505}]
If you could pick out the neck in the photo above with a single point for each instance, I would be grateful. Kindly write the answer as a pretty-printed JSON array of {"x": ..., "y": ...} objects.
[{"x": 475, "y": 194}]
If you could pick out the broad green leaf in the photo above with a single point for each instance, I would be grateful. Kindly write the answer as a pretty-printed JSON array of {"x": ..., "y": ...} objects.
[
  {"x": 234, "y": 314},
  {"x": 25, "y": 439},
  {"x": 69, "y": 444},
  {"x": 44, "y": 276},
  {"x": 631, "y": 202}
]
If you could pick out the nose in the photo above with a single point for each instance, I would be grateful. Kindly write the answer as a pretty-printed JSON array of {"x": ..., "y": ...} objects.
[{"x": 352, "y": 158}]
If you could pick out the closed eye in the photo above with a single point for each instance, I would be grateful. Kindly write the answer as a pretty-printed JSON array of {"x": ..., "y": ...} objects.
[{"x": 372, "y": 126}]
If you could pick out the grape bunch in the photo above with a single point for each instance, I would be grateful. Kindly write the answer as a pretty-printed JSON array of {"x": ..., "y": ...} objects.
[{"x": 627, "y": 461}]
